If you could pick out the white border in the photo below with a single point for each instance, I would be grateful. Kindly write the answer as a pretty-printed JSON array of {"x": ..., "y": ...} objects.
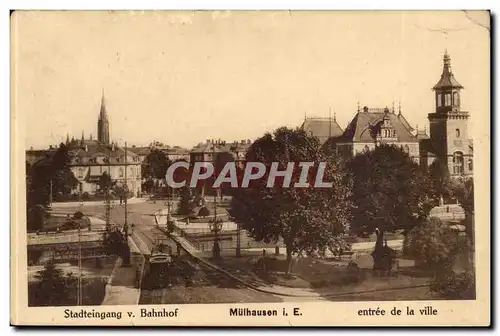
[{"x": 186, "y": 4}]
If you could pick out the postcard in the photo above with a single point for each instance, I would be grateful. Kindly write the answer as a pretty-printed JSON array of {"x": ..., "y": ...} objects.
[{"x": 250, "y": 168}]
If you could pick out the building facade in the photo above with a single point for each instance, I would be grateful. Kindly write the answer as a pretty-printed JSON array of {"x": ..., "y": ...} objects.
[
  {"x": 89, "y": 159},
  {"x": 371, "y": 127},
  {"x": 447, "y": 141}
]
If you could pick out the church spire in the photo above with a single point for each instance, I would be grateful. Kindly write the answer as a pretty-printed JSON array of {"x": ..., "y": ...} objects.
[
  {"x": 103, "y": 123},
  {"x": 103, "y": 114}
]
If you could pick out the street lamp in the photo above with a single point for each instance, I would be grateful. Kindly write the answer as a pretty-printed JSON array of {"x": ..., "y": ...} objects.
[{"x": 216, "y": 226}]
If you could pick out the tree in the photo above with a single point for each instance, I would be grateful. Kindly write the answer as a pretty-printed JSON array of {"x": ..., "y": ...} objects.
[
  {"x": 185, "y": 207},
  {"x": 221, "y": 159},
  {"x": 63, "y": 180},
  {"x": 105, "y": 182},
  {"x": 309, "y": 220},
  {"x": 53, "y": 287},
  {"x": 389, "y": 191},
  {"x": 155, "y": 165},
  {"x": 38, "y": 193},
  {"x": 463, "y": 190},
  {"x": 440, "y": 185}
]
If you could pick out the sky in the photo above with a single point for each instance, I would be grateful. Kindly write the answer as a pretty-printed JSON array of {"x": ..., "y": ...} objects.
[{"x": 184, "y": 77}]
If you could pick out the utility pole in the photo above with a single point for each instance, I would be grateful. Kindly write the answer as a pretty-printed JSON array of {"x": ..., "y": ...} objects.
[
  {"x": 50, "y": 195},
  {"x": 126, "y": 186},
  {"x": 107, "y": 201},
  {"x": 79, "y": 296}
]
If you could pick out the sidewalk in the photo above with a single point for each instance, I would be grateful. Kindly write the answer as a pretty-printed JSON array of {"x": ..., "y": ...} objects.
[
  {"x": 56, "y": 205},
  {"x": 121, "y": 288}
]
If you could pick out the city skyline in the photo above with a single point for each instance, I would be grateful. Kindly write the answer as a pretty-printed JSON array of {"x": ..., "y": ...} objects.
[{"x": 235, "y": 75}]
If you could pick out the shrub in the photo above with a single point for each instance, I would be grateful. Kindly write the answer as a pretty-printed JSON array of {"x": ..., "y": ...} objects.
[
  {"x": 204, "y": 212},
  {"x": 454, "y": 286},
  {"x": 78, "y": 215},
  {"x": 433, "y": 245}
]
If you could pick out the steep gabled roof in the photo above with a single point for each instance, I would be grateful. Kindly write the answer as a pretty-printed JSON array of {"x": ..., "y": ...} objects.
[{"x": 365, "y": 125}]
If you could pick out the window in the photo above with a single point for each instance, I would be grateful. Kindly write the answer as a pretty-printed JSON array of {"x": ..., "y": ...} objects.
[
  {"x": 457, "y": 133},
  {"x": 447, "y": 99},
  {"x": 456, "y": 99},
  {"x": 470, "y": 164},
  {"x": 438, "y": 98},
  {"x": 367, "y": 149},
  {"x": 458, "y": 163},
  {"x": 80, "y": 172},
  {"x": 121, "y": 172},
  {"x": 407, "y": 149}
]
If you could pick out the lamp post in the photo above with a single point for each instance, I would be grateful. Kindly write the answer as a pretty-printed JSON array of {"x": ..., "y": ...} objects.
[{"x": 215, "y": 227}]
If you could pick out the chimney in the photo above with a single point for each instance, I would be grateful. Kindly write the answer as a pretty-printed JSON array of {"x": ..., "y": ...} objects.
[
  {"x": 242, "y": 142},
  {"x": 248, "y": 141},
  {"x": 365, "y": 109},
  {"x": 208, "y": 141}
]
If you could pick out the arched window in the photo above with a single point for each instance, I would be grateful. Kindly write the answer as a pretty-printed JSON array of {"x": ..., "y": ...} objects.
[
  {"x": 457, "y": 133},
  {"x": 458, "y": 163}
]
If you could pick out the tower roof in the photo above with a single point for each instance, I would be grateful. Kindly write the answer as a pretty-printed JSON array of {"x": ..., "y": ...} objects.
[
  {"x": 447, "y": 80},
  {"x": 322, "y": 128},
  {"x": 103, "y": 115}
]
